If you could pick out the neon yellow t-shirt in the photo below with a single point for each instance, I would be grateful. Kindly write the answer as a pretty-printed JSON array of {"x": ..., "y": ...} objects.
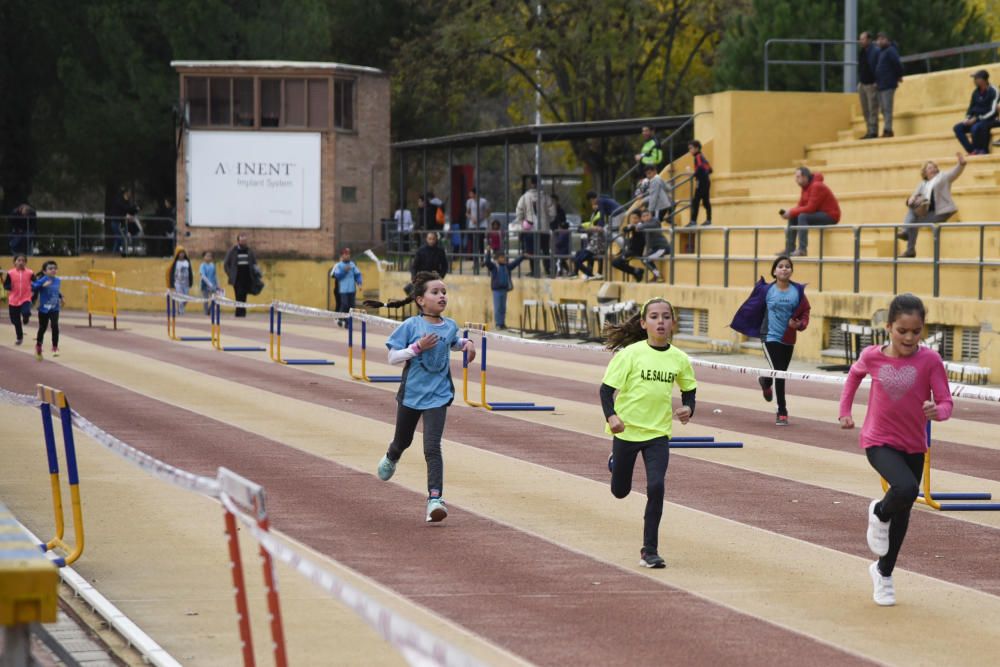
[{"x": 644, "y": 378}]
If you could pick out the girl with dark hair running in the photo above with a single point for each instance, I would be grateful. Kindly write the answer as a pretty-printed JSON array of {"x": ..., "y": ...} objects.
[
  {"x": 423, "y": 343},
  {"x": 643, "y": 372},
  {"x": 775, "y": 313},
  {"x": 905, "y": 377}
]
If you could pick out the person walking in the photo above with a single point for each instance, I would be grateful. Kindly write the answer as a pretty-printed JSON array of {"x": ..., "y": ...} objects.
[
  {"x": 643, "y": 372},
  {"x": 208, "y": 279},
  {"x": 867, "y": 88},
  {"x": 888, "y": 76},
  {"x": 423, "y": 343},
  {"x": 180, "y": 276},
  {"x": 240, "y": 265},
  {"x": 909, "y": 389}
]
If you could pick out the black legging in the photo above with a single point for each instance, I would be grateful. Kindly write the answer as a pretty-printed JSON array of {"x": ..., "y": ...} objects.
[
  {"x": 19, "y": 315},
  {"x": 406, "y": 425},
  {"x": 656, "y": 456},
  {"x": 903, "y": 472},
  {"x": 43, "y": 325},
  {"x": 701, "y": 194},
  {"x": 779, "y": 356}
]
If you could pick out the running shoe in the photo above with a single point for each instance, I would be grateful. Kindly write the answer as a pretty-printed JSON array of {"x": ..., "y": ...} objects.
[
  {"x": 386, "y": 468},
  {"x": 436, "y": 510},
  {"x": 19, "y": 341},
  {"x": 55, "y": 351},
  {"x": 878, "y": 532},
  {"x": 611, "y": 462},
  {"x": 38, "y": 351},
  {"x": 651, "y": 559},
  {"x": 883, "y": 592},
  {"x": 765, "y": 387},
  {"x": 781, "y": 420}
]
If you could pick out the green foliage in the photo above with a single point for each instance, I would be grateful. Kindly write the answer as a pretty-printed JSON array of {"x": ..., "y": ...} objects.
[{"x": 915, "y": 26}]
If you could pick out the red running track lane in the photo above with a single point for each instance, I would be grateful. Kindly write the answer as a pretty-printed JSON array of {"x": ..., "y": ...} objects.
[
  {"x": 530, "y": 596},
  {"x": 937, "y": 545}
]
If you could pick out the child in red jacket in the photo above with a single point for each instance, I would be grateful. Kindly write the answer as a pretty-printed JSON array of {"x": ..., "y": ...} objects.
[{"x": 17, "y": 282}]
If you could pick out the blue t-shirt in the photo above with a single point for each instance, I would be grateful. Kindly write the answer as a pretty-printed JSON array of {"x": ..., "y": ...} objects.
[
  {"x": 780, "y": 306},
  {"x": 209, "y": 280},
  {"x": 48, "y": 297},
  {"x": 426, "y": 379}
]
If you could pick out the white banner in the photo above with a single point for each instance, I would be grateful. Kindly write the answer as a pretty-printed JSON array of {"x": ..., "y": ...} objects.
[{"x": 253, "y": 179}]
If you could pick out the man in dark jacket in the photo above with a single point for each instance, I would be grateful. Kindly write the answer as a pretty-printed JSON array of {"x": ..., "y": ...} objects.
[
  {"x": 888, "y": 76},
  {"x": 22, "y": 230},
  {"x": 430, "y": 257},
  {"x": 241, "y": 269},
  {"x": 867, "y": 89},
  {"x": 980, "y": 117}
]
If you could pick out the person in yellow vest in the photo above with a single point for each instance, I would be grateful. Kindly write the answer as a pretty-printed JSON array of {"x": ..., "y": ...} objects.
[{"x": 650, "y": 153}]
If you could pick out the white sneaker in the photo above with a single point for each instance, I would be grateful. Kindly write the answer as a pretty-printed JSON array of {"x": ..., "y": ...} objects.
[
  {"x": 436, "y": 511},
  {"x": 386, "y": 468},
  {"x": 878, "y": 532},
  {"x": 884, "y": 593}
]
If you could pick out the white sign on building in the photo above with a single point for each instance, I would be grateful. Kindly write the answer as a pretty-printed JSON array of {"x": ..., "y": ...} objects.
[{"x": 253, "y": 179}]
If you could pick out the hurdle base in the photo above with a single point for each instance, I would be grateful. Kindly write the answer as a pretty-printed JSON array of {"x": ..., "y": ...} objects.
[
  {"x": 705, "y": 445},
  {"x": 693, "y": 438},
  {"x": 307, "y": 362},
  {"x": 519, "y": 407},
  {"x": 243, "y": 349},
  {"x": 960, "y": 496},
  {"x": 970, "y": 507},
  {"x": 385, "y": 378},
  {"x": 192, "y": 339}
]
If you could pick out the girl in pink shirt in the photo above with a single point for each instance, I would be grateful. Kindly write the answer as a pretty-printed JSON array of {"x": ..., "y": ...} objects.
[
  {"x": 904, "y": 377},
  {"x": 17, "y": 282}
]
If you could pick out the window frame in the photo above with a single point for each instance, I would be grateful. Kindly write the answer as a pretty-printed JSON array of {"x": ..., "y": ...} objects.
[
  {"x": 337, "y": 101},
  {"x": 258, "y": 79}
]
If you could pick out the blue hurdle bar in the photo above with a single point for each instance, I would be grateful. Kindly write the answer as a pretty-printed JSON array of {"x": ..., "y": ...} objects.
[{"x": 702, "y": 442}]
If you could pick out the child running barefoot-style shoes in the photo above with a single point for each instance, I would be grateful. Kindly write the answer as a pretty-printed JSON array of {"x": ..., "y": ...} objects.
[
  {"x": 651, "y": 559},
  {"x": 386, "y": 468},
  {"x": 878, "y": 532},
  {"x": 436, "y": 511},
  {"x": 883, "y": 592}
]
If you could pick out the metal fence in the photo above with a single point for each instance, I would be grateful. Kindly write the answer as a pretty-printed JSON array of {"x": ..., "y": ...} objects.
[{"x": 67, "y": 234}]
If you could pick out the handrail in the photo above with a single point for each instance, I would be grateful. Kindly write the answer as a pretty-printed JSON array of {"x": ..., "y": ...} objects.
[
  {"x": 952, "y": 51},
  {"x": 668, "y": 139}
]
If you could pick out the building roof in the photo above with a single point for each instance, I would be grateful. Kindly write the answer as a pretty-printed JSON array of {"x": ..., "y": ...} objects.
[{"x": 271, "y": 65}]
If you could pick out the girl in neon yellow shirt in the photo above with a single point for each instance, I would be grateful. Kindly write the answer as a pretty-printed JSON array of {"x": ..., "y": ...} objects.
[{"x": 643, "y": 372}]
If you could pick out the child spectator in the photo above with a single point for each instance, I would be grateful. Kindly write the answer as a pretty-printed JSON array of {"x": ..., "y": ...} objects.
[
  {"x": 208, "y": 279},
  {"x": 495, "y": 237},
  {"x": 658, "y": 196},
  {"x": 656, "y": 243},
  {"x": 597, "y": 243},
  {"x": 50, "y": 300},
  {"x": 17, "y": 282},
  {"x": 632, "y": 243},
  {"x": 703, "y": 184},
  {"x": 562, "y": 237},
  {"x": 180, "y": 276},
  {"x": 501, "y": 282},
  {"x": 423, "y": 342},
  {"x": 905, "y": 377},
  {"x": 348, "y": 278},
  {"x": 643, "y": 372}
]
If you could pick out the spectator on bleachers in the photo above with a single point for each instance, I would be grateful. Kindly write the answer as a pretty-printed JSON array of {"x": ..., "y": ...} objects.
[
  {"x": 657, "y": 245},
  {"x": 888, "y": 76},
  {"x": 703, "y": 183},
  {"x": 817, "y": 206},
  {"x": 597, "y": 242},
  {"x": 430, "y": 257},
  {"x": 562, "y": 238},
  {"x": 658, "y": 197},
  {"x": 650, "y": 153},
  {"x": 633, "y": 244},
  {"x": 980, "y": 117},
  {"x": 495, "y": 237},
  {"x": 535, "y": 212},
  {"x": 930, "y": 202},
  {"x": 501, "y": 282},
  {"x": 605, "y": 205},
  {"x": 867, "y": 89},
  {"x": 477, "y": 214}
]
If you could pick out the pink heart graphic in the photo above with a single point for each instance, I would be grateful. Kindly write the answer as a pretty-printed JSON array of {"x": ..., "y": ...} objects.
[{"x": 897, "y": 382}]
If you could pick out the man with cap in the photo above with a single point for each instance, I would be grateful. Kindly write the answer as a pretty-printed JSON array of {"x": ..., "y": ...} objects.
[
  {"x": 980, "y": 116},
  {"x": 348, "y": 278}
]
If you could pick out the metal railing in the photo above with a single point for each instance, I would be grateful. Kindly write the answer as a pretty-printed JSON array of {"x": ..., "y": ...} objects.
[
  {"x": 67, "y": 234},
  {"x": 959, "y": 51},
  {"x": 688, "y": 244},
  {"x": 669, "y": 141}
]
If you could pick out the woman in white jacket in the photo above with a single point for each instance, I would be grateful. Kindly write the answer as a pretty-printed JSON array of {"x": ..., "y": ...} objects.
[{"x": 930, "y": 202}]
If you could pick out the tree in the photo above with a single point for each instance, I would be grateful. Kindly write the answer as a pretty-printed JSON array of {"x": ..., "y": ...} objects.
[{"x": 741, "y": 51}]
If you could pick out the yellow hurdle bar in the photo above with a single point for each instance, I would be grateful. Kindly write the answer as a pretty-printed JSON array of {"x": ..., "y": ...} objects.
[
  {"x": 480, "y": 328},
  {"x": 54, "y": 398}
]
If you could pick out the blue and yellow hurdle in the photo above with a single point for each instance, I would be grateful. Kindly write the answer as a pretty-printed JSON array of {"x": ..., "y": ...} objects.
[
  {"x": 216, "y": 312},
  {"x": 172, "y": 324},
  {"x": 364, "y": 377},
  {"x": 55, "y": 398},
  {"x": 274, "y": 345},
  {"x": 483, "y": 403}
]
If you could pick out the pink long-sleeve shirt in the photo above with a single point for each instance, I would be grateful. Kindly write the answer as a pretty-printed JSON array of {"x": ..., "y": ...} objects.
[{"x": 899, "y": 388}]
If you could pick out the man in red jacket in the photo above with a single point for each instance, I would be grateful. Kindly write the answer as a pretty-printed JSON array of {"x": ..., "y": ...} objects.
[{"x": 817, "y": 206}]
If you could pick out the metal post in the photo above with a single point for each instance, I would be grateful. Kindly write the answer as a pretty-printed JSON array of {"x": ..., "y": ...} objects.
[
  {"x": 506, "y": 195},
  {"x": 766, "y": 45},
  {"x": 423, "y": 193},
  {"x": 725, "y": 257},
  {"x": 819, "y": 263},
  {"x": 982, "y": 232},
  {"x": 850, "y": 34},
  {"x": 17, "y": 645},
  {"x": 857, "y": 259},
  {"x": 822, "y": 67},
  {"x": 937, "y": 261},
  {"x": 478, "y": 242}
]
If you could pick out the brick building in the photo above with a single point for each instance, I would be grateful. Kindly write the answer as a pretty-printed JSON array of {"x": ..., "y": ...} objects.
[{"x": 294, "y": 153}]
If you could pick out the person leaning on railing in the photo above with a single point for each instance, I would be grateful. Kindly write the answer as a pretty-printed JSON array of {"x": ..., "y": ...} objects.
[{"x": 930, "y": 202}]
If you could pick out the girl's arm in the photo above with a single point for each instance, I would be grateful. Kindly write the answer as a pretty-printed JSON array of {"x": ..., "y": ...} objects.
[
  {"x": 398, "y": 357},
  {"x": 859, "y": 369},
  {"x": 608, "y": 405},
  {"x": 943, "y": 404}
]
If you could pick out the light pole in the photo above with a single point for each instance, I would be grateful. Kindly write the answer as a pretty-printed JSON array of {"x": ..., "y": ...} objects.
[{"x": 850, "y": 34}]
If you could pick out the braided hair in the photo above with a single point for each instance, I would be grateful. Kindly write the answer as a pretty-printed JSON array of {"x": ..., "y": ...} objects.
[
  {"x": 630, "y": 331},
  {"x": 418, "y": 287}
]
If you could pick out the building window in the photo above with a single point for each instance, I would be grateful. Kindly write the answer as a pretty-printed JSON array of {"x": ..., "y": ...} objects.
[
  {"x": 343, "y": 104},
  {"x": 243, "y": 102},
  {"x": 270, "y": 102},
  {"x": 349, "y": 194},
  {"x": 233, "y": 102},
  {"x": 197, "y": 100},
  {"x": 319, "y": 103},
  {"x": 220, "y": 101},
  {"x": 295, "y": 103}
]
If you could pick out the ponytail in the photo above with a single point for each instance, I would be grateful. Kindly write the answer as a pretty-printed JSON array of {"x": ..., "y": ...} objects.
[
  {"x": 413, "y": 289},
  {"x": 630, "y": 331}
]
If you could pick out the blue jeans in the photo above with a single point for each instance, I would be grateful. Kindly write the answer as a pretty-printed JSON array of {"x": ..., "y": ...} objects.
[
  {"x": 803, "y": 220},
  {"x": 980, "y": 131},
  {"x": 500, "y": 308}
]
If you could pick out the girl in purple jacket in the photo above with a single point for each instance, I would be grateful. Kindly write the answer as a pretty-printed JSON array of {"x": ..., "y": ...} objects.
[{"x": 775, "y": 312}]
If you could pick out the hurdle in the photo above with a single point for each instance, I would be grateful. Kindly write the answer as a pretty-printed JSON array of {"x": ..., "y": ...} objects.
[
  {"x": 172, "y": 325},
  {"x": 105, "y": 301},
  {"x": 274, "y": 345},
  {"x": 702, "y": 442},
  {"x": 483, "y": 403},
  {"x": 51, "y": 398},
  {"x": 927, "y": 497},
  {"x": 364, "y": 377},
  {"x": 216, "y": 312}
]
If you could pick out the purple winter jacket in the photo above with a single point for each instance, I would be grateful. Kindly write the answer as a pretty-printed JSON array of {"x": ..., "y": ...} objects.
[{"x": 751, "y": 318}]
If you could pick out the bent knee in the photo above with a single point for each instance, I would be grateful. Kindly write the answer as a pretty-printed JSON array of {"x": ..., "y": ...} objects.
[
  {"x": 908, "y": 492},
  {"x": 620, "y": 491}
]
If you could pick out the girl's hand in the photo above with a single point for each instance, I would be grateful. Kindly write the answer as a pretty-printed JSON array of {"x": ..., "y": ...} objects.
[
  {"x": 427, "y": 342},
  {"x": 470, "y": 348},
  {"x": 930, "y": 410},
  {"x": 616, "y": 424},
  {"x": 47, "y": 283},
  {"x": 847, "y": 422},
  {"x": 683, "y": 414},
  {"x": 795, "y": 323}
]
